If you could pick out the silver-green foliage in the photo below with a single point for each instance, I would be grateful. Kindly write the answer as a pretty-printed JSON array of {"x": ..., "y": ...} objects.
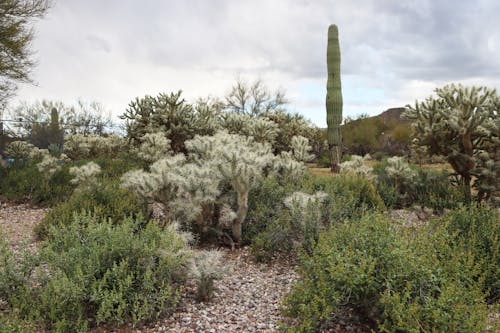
[
  {"x": 86, "y": 175},
  {"x": 205, "y": 267},
  {"x": 356, "y": 166},
  {"x": 80, "y": 146},
  {"x": 188, "y": 188},
  {"x": 462, "y": 124}
]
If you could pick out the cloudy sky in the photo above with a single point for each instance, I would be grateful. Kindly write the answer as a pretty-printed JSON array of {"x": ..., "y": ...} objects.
[{"x": 393, "y": 51}]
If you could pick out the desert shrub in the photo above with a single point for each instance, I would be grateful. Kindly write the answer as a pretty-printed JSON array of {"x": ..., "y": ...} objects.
[
  {"x": 412, "y": 185},
  {"x": 98, "y": 272},
  {"x": 107, "y": 200},
  {"x": 399, "y": 281},
  {"x": 114, "y": 168},
  {"x": 25, "y": 183},
  {"x": 477, "y": 229},
  {"x": 349, "y": 196},
  {"x": 323, "y": 160},
  {"x": 295, "y": 228},
  {"x": 265, "y": 202},
  {"x": 9, "y": 323}
]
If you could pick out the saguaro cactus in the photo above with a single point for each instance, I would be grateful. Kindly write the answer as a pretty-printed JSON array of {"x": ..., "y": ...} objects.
[{"x": 334, "y": 98}]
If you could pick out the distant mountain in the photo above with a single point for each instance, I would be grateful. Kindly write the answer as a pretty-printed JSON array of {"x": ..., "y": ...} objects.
[
  {"x": 393, "y": 115},
  {"x": 386, "y": 132}
]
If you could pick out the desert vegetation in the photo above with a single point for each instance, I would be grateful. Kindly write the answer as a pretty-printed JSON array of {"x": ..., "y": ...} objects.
[
  {"x": 139, "y": 221},
  {"x": 132, "y": 218}
]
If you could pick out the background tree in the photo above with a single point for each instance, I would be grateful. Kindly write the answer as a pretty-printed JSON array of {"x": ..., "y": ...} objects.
[
  {"x": 253, "y": 98},
  {"x": 462, "y": 125},
  {"x": 16, "y": 35},
  {"x": 83, "y": 118}
]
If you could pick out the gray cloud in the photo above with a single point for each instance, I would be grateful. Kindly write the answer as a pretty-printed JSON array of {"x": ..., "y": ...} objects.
[{"x": 115, "y": 50}]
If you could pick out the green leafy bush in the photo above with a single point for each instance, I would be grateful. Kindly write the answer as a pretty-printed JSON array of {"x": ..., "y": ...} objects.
[
  {"x": 477, "y": 230},
  {"x": 402, "y": 281},
  {"x": 285, "y": 230},
  {"x": 98, "y": 272},
  {"x": 265, "y": 203},
  {"x": 428, "y": 188},
  {"x": 349, "y": 196},
  {"x": 25, "y": 183},
  {"x": 105, "y": 201}
]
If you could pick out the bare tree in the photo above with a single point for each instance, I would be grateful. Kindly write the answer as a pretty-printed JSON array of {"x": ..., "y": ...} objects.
[{"x": 253, "y": 98}]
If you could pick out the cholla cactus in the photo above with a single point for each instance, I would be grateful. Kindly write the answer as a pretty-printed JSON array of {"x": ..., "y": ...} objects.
[
  {"x": 487, "y": 174},
  {"x": 19, "y": 150},
  {"x": 207, "y": 266},
  {"x": 79, "y": 146},
  {"x": 300, "y": 201},
  {"x": 49, "y": 165},
  {"x": 85, "y": 175},
  {"x": 227, "y": 216},
  {"x": 397, "y": 167},
  {"x": 285, "y": 165},
  {"x": 263, "y": 130},
  {"x": 158, "y": 184},
  {"x": 458, "y": 125},
  {"x": 37, "y": 154},
  {"x": 197, "y": 189},
  {"x": 301, "y": 149},
  {"x": 153, "y": 147},
  {"x": 240, "y": 161},
  {"x": 356, "y": 166},
  {"x": 260, "y": 128},
  {"x": 187, "y": 191}
]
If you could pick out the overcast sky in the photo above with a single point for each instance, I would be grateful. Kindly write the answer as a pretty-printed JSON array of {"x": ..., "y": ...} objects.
[{"x": 393, "y": 51}]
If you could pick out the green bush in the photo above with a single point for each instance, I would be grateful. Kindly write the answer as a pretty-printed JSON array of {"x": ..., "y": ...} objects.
[
  {"x": 106, "y": 201},
  {"x": 265, "y": 203},
  {"x": 114, "y": 168},
  {"x": 402, "y": 281},
  {"x": 96, "y": 272},
  {"x": 349, "y": 196},
  {"x": 24, "y": 183},
  {"x": 429, "y": 188},
  {"x": 477, "y": 230},
  {"x": 282, "y": 231}
]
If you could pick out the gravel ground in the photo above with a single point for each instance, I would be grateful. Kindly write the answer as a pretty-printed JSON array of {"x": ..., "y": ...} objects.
[
  {"x": 246, "y": 300},
  {"x": 17, "y": 223}
]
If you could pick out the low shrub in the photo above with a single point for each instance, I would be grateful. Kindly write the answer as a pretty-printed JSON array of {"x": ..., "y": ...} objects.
[
  {"x": 349, "y": 196},
  {"x": 107, "y": 200},
  {"x": 96, "y": 272},
  {"x": 288, "y": 230},
  {"x": 25, "y": 183},
  {"x": 428, "y": 188},
  {"x": 265, "y": 202},
  {"x": 476, "y": 229},
  {"x": 399, "y": 280}
]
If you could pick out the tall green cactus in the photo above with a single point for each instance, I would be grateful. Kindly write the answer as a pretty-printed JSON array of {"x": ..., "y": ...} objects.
[{"x": 334, "y": 98}]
